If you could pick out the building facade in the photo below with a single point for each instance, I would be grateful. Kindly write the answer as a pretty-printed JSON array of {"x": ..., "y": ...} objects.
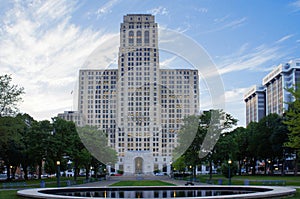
[
  {"x": 71, "y": 116},
  {"x": 139, "y": 105},
  {"x": 255, "y": 100},
  {"x": 274, "y": 87}
]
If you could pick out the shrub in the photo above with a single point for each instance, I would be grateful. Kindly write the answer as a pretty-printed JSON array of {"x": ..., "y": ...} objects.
[{"x": 225, "y": 169}]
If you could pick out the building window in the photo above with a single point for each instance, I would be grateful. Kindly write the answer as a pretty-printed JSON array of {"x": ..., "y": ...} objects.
[
  {"x": 146, "y": 37},
  {"x": 130, "y": 37},
  {"x": 139, "y": 37}
]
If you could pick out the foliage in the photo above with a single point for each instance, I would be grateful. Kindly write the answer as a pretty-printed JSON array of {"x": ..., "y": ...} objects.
[
  {"x": 10, "y": 141},
  {"x": 225, "y": 169},
  {"x": 179, "y": 164},
  {"x": 10, "y": 95},
  {"x": 293, "y": 120},
  {"x": 96, "y": 142},
  {"x": 34, "y": 144},
  {"x": 215, "y": 123},
  {"x": 199, "y": 135}
]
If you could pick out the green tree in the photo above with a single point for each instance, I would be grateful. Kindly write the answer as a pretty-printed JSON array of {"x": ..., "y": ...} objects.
[
  {"x": 241, "y": 140},
  {"x": 253, "y": 137},
  {"x": 190, "y": 137},
  {"x": 26, "y": 158},
  {"x": 271, "y": 133},
  {"x": 199, "y": 134},
  {"x": 225, "y": 149},
  {"x": 41, "y": 144},
  {"x": 217, "y": 123},
  {"x": 10, "y": 142},
  {"x": 179, "y": 164},
  {"x": 225, "y": 169},
  {"x": 10, "y": 95},
  {"x": 96, "y": 141},
  {"x": 293, "y": 122}
]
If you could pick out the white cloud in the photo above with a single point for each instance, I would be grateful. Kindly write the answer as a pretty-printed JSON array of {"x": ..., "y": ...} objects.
[
  {"x": 43, "y": 51},
  {"x": 235, "y": 23},
  {"x": 235, "y": 95},
  {"x": 106, "y": 8},
  {"x": 224, "y": 23},
  {"x": 167, "y": 62},
  {"x": 202, "y": 10},
  {"x": 250, "y": 59},
  {"x": 284, "y": 38},
  {"x": 184, "y": 29},
  {"x": 222, "y": 19},
  {"x": 296, "y": 5},
  {"x": 159, "y": 11},
  {"x": 235, "y": 104}
]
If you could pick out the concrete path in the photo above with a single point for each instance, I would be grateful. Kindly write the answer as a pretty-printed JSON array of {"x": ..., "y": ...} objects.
[{"x": 114, "y": 179}]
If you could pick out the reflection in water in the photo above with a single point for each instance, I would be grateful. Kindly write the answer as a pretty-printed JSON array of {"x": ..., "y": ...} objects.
[{"x": 152, "y": 193}]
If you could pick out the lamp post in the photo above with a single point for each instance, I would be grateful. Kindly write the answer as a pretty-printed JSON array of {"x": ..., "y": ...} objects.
[
  {"x": 191, "y": 179},
  {"x": 269, "y": 166},
  {"x": 229, "y": 176},
  {"x": 58, "y": 173},
  {"x": 91, "y": 171}
]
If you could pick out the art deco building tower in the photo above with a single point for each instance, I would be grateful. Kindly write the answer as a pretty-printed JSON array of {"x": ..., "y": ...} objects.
[
  {"x": 138, "y": 90},
  {"x": 139, "y": 105}
]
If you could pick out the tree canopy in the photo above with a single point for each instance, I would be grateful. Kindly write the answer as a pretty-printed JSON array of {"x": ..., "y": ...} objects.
[
  {"x": 10, "y": 96},
  {"x": 293, "y": 120}
]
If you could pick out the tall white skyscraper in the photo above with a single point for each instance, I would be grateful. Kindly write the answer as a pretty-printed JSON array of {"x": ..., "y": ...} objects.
[
  {"x": 139, "y": 105},
  {"x": 272, "y": 96}
]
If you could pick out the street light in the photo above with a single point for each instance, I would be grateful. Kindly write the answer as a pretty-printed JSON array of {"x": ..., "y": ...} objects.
[
  {"x": 58, "y": 173},
  {"x": 191, "y": 178},
  {"x": 91, "y": 171},
  {"x": 229, "y": 177}
]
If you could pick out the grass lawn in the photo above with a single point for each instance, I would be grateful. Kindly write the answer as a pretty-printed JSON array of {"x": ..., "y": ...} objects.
[
  {"x": 9, "y": 189},
  {"x": 142, "y": 183},
  {"x": 11, "y": 194},
  {"x": 253, "y": 180}
]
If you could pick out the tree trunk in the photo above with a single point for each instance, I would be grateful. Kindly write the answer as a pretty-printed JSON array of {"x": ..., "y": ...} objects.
[
  {"x": 25, "y": 170},
  {"x": 87, "y": 172},
  {"x": 210, "y": 170},
  {"x": 13, "y": 172},
  {"x": 75, "y": 170},
  {"x": 265, "y": 169},
  {"x": 240, "y": 167},
  {"x": 8, "y": 172},
  {"x": 254, "y": 167},
  {"x": 296, "y": 165},
  {"x": 40, "y": 169},
  {"x": 282, "y": 167}
]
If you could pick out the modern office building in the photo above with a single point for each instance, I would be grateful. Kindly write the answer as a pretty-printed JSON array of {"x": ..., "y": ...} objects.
[
  {"x": 139, "y": 105},
  {"x": 71, "y": 116},
  {"x": 276, "y": 82},
  {"x": 255, "y": 100},
  {"x": 274, "y": 87}
]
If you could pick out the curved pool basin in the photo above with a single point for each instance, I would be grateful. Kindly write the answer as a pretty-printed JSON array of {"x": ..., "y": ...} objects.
[{"x": 201, "y": 192}]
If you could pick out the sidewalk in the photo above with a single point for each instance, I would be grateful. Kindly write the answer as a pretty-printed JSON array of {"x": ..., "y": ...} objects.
[{"x": 114, "y": 179}]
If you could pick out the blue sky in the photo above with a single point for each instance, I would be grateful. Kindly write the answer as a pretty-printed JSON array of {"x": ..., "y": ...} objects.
[{"x": 44, "y": 43}]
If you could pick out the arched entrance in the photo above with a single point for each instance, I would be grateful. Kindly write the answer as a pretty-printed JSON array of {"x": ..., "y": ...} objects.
[{"x": 138, "y": 162}]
